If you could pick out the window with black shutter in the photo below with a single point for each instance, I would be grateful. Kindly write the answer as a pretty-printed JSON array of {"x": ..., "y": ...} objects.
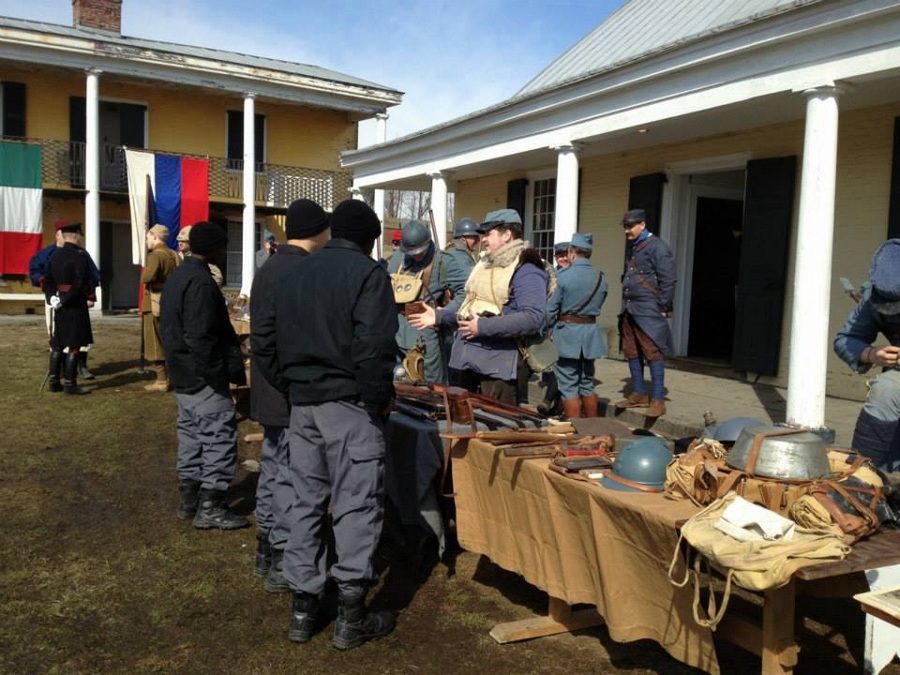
[
  {"x": 235, "y": 149},
  {"x": 12, "y": 121}
]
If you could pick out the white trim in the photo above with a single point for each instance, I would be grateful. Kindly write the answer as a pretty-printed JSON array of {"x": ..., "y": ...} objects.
[{"x": 528, "y": 216}]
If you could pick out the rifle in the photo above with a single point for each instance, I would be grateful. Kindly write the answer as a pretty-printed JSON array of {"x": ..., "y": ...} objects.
[{"x": 850, "y": 290}]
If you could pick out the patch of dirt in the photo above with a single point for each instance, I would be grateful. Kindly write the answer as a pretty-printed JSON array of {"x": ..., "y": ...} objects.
[{"x": 97, "y": 574}]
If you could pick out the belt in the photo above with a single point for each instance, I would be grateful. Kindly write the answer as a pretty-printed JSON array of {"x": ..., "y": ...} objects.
[
  {"x": 64, "y": 288},
  {"x": 415, "y": 307},
  {"x": 576, "y": 318}
]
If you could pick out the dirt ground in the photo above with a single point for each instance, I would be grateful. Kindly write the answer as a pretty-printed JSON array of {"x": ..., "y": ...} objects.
[{"x": 98, "y": 576}]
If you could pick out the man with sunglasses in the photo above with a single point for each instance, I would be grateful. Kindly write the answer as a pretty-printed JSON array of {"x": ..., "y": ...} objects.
[{"x": 648, "y": 284}]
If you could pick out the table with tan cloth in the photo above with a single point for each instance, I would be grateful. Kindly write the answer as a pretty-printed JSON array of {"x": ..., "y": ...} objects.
[{"x": 582, "y": 544}]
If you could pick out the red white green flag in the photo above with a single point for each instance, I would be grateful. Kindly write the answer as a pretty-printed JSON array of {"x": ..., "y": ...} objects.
[{"x": 20, "y": 205}]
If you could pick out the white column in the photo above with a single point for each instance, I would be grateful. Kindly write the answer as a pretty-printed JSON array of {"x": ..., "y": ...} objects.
[
  {"x": 439, "y": 206},
  {"x": 810, "y": 336},
  {"x": 378, "y": 201},
  {"x": 566, "y": 193},
  {"x": 92, "y": 172},
  {"x": 248, "y": 231}
]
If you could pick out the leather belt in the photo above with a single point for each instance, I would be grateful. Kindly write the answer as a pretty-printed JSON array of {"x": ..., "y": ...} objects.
[
  {"x": 576, "y": 318},
  {"x": 410, "y": 308},
  {"x": 64, "y": 288}
]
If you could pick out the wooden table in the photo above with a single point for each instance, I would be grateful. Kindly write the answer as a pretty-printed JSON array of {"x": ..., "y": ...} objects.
[{"x": 773, "y": 637}]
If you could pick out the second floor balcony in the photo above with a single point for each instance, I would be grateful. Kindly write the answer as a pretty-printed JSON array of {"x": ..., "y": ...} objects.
[{"x": 276, "y": 185}]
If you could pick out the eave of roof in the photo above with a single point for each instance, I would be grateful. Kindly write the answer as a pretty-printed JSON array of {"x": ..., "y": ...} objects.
[{"x": 76, "y": 47}]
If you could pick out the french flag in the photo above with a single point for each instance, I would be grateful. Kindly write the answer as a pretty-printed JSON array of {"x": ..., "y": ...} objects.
[{"x": 176, "y": 188}]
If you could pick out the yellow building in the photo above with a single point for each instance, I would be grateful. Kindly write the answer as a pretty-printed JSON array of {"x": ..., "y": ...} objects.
[{"x": 85, "y": 92}]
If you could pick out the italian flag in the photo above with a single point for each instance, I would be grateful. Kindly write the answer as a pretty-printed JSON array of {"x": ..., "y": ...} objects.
[{"x": 20, "y": 205}]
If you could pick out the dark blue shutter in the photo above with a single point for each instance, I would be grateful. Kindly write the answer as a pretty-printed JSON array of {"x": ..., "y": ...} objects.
[
  {"x": 894, "y": 197},
  {"x": 14, "y": 109}
]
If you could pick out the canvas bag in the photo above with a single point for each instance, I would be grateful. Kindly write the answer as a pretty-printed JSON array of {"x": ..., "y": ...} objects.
[
  {"x": 754, "y": 565},
  {"x": 539, "y": 352}
]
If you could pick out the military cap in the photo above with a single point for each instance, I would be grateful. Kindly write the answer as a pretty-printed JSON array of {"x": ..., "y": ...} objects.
[
  {"x": 885, "y": 277},
  {"x": 582, "y": 241},
  {"x": 561, "y": 248},
  {"x": 499, "y": 217},
  {"x": 634, "y": 216},
  {"x": 66, "y": 226}
]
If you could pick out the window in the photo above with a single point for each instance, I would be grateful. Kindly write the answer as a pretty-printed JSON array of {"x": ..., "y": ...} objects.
[
  {"x": 234, "y": 254},
  {"x": 543, "y": 216},
  {"x": 12, "y": 107},
  {"x": 235, "y": 149}
]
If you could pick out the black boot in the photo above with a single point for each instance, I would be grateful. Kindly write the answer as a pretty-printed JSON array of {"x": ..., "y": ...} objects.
[
  {"x": 190, "y": 499},
  {"x": 263, "y": 562},
  {"x": 275, "y": 581},
  {"x": 356, "y": 625},
  {"x": 70, "y": 385},
  {"x": 56, "y": 364},
  {"x": 214, "y": 514},
  {"x": 83, "y": 371},
  {"x": 306, "y": 619}
]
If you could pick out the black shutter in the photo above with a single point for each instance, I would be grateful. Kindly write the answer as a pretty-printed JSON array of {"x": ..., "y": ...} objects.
[
  {"x": 894, "y": 198},
  {"x": 645, "y": 192},
  {"x": 768, "y": 210},
  {"x": 77, "y": 119},
  {"x": 259, "y": 139},
  {"x": 515, "y": 196},
  {"x": 131, "y": 125},
  {"x": 13, "y": 109},
  {"x": 235, "y": 149}
]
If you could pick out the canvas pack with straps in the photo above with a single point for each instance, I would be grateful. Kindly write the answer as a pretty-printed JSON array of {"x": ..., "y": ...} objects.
[{"x": 755, "y": 565}]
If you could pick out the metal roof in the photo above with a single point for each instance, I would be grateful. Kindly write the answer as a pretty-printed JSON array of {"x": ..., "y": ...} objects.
[
  {"x": 110, "y": 39},
  {"x": 641, "y": 28}
]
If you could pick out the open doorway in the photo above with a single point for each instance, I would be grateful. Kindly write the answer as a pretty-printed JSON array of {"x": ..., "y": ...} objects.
[
  {"x": 717, "y": 240},
  {"x": 121, "y": 278}
]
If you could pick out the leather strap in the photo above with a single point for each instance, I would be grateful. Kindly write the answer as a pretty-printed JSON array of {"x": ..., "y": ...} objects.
[
  {"x": 630, "y": 483},
  {"x": 576, "y": 318}
]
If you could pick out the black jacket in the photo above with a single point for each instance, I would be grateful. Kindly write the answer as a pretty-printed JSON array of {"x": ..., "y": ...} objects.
[
  {"x": 335, "y": 324},
  {"x": 199, "y": 341},
  {"x": 268, "y": 405}
]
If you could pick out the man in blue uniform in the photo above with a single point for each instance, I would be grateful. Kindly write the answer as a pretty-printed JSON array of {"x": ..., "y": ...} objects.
[
  {"x": 876, "y": 434},
  {"x": 551, "y": 403},
  {"x": 648, "y": 284},
  {"x": 505, "y": 300},
  {"x": 416, "y": 277},
  {"x": 454, "y": 268},
  {"x": 572, "y": 311}
]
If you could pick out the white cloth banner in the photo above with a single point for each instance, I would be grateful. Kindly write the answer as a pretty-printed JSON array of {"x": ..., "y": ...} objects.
[
  {"x": 20, "y": 210},
  {"x": 140, "y": 165}
]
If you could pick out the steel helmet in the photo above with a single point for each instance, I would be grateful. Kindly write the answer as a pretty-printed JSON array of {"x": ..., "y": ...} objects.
[
  {"x": 415, "y": 238},
  {"x": 640, "y": 466},
  {"x": 467, "y": 227},
  {"x": 729, "y": 430}
]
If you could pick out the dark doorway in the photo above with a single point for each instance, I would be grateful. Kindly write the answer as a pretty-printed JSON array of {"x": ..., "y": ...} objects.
[{"x": 716, "y": 263}]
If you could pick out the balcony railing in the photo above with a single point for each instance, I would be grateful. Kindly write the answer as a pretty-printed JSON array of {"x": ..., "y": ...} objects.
[{"x": 276, "y": 185}]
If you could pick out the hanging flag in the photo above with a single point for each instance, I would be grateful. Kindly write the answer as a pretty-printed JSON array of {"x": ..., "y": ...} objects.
[
  {"x": 21, "y": 194},
  {"x": 178, "y": 189}
]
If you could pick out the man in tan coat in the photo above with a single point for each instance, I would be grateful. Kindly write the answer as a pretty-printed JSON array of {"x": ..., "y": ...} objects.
[{"x": 161, "y": 260}]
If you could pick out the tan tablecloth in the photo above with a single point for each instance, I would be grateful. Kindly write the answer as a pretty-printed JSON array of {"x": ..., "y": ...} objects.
[{"x": 581, "y": 543}]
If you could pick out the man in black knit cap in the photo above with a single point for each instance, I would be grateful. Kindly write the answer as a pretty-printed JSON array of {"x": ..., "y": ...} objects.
[
  {"x": 306, "y": 227},
  {"x": 203, "y": 356},
  {"x": 334, "y": 343}
]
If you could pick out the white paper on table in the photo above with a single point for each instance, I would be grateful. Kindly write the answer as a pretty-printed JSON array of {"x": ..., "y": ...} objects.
[{"x": 746, "y": 521}]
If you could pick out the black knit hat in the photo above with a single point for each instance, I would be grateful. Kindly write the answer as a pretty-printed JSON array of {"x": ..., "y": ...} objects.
[
  {"x": 206, "y": 237},
  {"x": 304, "y": 219},
  {"x": 353, "y": 219}
]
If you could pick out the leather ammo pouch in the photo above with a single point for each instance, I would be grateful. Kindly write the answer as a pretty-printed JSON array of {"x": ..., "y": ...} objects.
[{"x": 154, "y": 302}]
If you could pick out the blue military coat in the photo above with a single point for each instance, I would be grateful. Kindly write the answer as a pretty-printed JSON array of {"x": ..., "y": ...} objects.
[
  {"x": 648, "y": 286},
  {"x": 861, "y": 329},
  {"x": 574, "y": 285}
]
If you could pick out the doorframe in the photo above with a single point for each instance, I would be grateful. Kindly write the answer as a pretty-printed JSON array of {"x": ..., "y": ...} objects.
[{"x": 678, "y": 226}]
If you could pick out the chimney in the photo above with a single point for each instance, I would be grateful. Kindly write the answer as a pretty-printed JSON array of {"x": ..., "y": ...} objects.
[{"x": 98, "y": 14}]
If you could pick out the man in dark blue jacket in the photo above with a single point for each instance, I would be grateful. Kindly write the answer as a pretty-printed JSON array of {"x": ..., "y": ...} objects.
[
  {"x": 333, "y": 352},
  {"x": 648, "y": 285},
  {"x": 203, "y": 356},
  {"x": 306, "y": 227}
]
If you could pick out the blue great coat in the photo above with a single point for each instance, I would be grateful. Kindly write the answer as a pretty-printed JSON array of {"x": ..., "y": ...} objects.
[
  {"x": 648, "y": 286},
  {"x": 574, "y": 285}
]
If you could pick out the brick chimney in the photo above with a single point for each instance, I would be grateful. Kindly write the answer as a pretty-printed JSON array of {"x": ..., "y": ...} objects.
[{"x": 98, "y": 14}]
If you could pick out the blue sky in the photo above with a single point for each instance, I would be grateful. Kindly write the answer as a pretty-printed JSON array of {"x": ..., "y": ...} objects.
[{"x": 450, "y": 58}]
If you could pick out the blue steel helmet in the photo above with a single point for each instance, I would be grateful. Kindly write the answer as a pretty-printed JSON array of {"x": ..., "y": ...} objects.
[
  {"x": 467, "y": 227},
  {"x": 729, "y": 430},
  {"x": 415, "y": 238},
  {"x": 641, "y": 464}
]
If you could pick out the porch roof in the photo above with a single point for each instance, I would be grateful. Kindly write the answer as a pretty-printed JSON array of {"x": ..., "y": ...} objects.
[{"x": 689, "y": 84}]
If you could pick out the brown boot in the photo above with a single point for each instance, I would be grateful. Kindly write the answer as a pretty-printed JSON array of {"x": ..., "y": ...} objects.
[
  {"x": 162, "y": 380},
  {"x": 634, "y": 401},
  {"x": 571, "y": 408},
  {"x": 657, "y": 409},
  {"x": 590, "y": 405}
]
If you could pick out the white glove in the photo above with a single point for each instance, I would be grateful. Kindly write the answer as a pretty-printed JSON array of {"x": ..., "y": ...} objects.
[{"x": 55, "y": 302}]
